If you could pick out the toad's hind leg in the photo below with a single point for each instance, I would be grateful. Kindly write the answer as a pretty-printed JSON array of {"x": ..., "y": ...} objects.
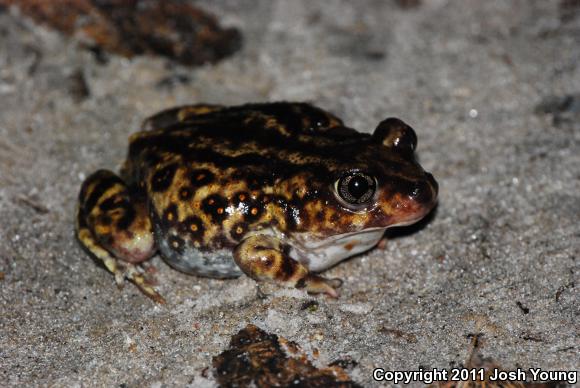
[
  {"x": 265, "y": 258},
  {"x": 114, "y": 226},
  {"x": 173, "y": 116}
]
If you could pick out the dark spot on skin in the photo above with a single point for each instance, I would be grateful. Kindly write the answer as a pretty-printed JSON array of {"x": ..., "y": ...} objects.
[
  {"x": 254, "y": 213},
  {"x": 176, "y": 244},
  {"x": 241, "y": 197},
  {"x": 288, "y": 268},
  {"x": 215, "y": 205},
  {"x": 105, "y": 220},
  {"x": 320, "y": 216},
  {"x": 185, "y": 194},
  {"x": 301, "y": 283},
  {"x": 163, "y": 178},
  {"x": 194, "y": 227},
  {"x": 127, "y": 219},
  {"x": 113, "y": 202},
  {"x": 106, "y": 239},
  {"x": 239, "y": 230},
  {"x": 201, "y": 177},
  {"x": 170, "y": 215},
  {"x": 105, "y": 180}
]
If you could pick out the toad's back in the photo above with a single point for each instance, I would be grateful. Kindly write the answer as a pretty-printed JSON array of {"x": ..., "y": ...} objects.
[
  {"x": 211, "y": 171},
  {"x": 249, "y": 135}
]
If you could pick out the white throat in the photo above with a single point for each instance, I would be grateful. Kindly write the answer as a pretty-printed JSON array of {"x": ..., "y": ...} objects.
[{"x": 319, "y": 255}]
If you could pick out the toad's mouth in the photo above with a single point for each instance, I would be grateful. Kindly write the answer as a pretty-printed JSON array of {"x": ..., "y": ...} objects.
[
  {"x": 310, "y": 242},
  {"x": 410, "y": 221},
  {"x": 319, "y": 254}
]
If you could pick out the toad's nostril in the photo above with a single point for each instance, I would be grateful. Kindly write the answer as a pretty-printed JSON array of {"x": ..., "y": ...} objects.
[{"x": 424, "y": 191}]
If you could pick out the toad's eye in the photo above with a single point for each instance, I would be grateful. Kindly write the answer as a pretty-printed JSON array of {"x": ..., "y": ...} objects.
[{"x": 356, "y": 188}]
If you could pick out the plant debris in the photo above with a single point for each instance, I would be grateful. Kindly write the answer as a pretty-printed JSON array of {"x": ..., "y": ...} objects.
[
  {"x": 170, "y": 28},
  {"x": 257, "y": 358}
]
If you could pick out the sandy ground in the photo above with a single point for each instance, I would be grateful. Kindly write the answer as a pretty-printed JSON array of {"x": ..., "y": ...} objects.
[{"x": 498, "y": 259}]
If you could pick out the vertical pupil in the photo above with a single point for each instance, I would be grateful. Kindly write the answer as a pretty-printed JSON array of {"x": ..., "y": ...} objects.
[{"x": 358, "y": 186}]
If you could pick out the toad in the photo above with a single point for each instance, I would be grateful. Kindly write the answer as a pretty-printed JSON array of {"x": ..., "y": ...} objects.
[{"x": 276, "y": 191}]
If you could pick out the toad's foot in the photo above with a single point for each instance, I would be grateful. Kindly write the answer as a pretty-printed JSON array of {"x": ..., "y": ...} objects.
[
  {"x": 265, "y": 258},
  {"x": 115, "y": 228}
]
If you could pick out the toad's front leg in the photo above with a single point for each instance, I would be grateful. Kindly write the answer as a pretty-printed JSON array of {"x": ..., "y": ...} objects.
[
  {"x": 114, "y": 226},
  {"x": 265, "y": 258}
]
